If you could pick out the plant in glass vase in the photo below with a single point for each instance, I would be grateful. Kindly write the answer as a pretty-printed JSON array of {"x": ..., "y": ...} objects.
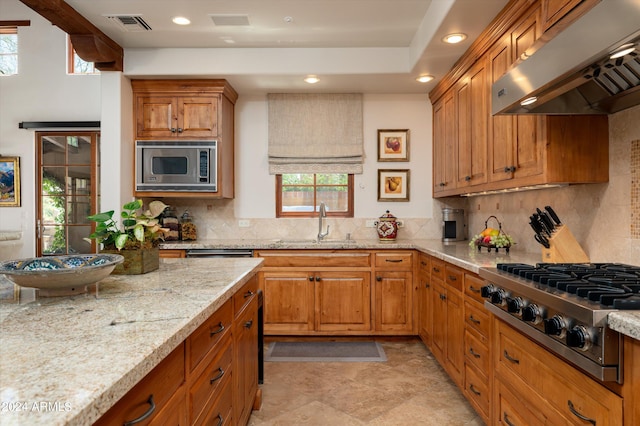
[{"x": 137, "y": 239}]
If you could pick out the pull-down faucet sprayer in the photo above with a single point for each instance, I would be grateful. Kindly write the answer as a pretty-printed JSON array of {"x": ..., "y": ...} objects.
[{"x": 322, "y": 213}]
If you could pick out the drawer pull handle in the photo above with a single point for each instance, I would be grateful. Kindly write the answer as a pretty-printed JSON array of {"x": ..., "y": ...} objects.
[
  {"x": 473, "y": 289},
  {"x": 220, "y": 329},
  {"x": 443, "y": 297},
  {"x": 510, "y": 358},
  {"x": 378, "y": 278},
  {"x": 427, "y": 285},
  {"x": 217, "y": 377},
  {"x": 248, "y": 324},
  {"x": 310, "y": 278},
  {"x": 474, "y": 353},
  {"x": 578, "y": 415},
  {"x": 474, "y": 390},
  {"x": 452, "y": 278},
  {"x": 393, "y": 260},
  {"x": 149, "y": 412},
  {"x": 423, "y": 263},
  {"x": 436, "y": 269},
  {"x": 505, "y": 416},
  {"x": 318, "y": 279},
  {"x": 220, "y": 419},
  {"x": 473, "y": 320},
  {"x": 249, "y": 293}
]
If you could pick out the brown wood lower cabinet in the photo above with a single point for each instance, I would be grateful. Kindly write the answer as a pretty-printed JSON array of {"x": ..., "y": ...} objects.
[{"x": 209, "y": 379}]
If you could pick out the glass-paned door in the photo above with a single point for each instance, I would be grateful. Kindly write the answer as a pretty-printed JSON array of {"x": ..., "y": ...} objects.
[{"x": 67, "y": 165}]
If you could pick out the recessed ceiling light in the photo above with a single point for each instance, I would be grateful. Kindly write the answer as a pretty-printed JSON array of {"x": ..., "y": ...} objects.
[
  {"x": 424, "y": 78},
  {"x": 181, "y": 20},
  {"x": 454, "y": 38},
  {"x": 312, "y": 79},
  {"x": 529, "y": 101},
  {"x": 623, "y": 50}
]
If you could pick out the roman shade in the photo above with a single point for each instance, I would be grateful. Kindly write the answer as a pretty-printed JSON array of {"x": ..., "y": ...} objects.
[{"x": 315, "y": 133}]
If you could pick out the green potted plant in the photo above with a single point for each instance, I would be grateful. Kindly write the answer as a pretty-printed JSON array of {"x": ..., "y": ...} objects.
[{"x": 137, "y": 239}]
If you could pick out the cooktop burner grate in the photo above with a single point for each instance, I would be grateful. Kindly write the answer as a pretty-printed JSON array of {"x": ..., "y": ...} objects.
[{"x": 612, "y": 285}]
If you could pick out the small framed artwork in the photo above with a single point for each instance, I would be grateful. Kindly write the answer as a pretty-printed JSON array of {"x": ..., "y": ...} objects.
[
  {"x": 9, "y": 181},
  {"x": 393, "y": 185},
  {"x": 393, "y": 145}
]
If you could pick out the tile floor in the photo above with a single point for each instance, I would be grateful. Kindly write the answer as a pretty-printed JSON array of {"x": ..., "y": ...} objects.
[{"x": 409, "y": 389}]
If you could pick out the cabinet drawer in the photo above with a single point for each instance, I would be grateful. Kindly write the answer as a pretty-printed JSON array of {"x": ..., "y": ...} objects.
[
  {"x": 424, "y": 264},
  {"x": 472, "y": 287},
  {"x": 397, "y": 261},
  {"x": 512, "y": 410},
  {"x": 476, "y": 389},
  {"x": 211, "y": 380},
  {"x": 220, "y": 412},
  {"x": 209, "y": 333},
  {"x": 476, "y": 353},
  {"x": 175, "y": 412},
  {"x": 315, "y": 259},
  {"x": 477, "y": 319},
  {"x": 159, "y": 385},
  {"x": 454, "y": 276},
  {"x": 437, "y": 268},
  {"x": 243, "y": 296},
  {"x": 566, "y": 389}
]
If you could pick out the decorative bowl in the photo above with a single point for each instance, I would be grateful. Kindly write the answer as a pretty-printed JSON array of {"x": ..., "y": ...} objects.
[{"x": 60, "y": 272}]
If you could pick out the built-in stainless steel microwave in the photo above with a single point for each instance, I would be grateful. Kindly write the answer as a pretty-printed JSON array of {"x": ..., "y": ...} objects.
[{"x": 176, "y": 166}]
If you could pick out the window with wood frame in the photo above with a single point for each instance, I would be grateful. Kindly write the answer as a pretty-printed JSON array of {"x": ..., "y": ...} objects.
[
  {"x": 77, "y": 65},
  {"x": 8, "y": 50},
  {"x": 300, "y": 194}
]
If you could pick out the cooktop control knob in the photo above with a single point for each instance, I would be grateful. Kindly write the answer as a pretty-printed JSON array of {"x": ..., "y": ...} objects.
[
  {"x": 498, "y": 297},
  {"x": 555, "y": 326},
  {"x": 514, "y": 304},
  {"x": 532, "y": 313},
  {"x": 579, "y": 337},
  {"x": 487, "y": 290}
]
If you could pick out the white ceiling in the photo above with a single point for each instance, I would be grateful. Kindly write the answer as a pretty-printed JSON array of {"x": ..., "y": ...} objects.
[{"x": 407, "y": 27}]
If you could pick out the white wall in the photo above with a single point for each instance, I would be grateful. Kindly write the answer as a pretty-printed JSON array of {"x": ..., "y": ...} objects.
[
  {"x": 42, "y": 91},
  {"x": 255, "y": 188}
]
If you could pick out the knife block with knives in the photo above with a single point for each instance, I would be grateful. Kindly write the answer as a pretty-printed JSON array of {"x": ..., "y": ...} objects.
[{"x": 558, "y": 243}]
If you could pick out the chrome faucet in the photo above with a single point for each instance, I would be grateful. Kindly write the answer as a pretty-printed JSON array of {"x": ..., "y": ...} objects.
[{"x": 322, "y": 214}]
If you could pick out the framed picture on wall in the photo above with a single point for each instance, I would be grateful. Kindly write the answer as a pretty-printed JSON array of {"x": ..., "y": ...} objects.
[
  {"x": 393, "y": 145},
  {"x": 9, "y": 181},
  {"x": 393, "y": 185}
]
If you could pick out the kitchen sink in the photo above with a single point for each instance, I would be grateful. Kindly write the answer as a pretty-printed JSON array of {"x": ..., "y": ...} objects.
[{"x": 314, "y": 241}]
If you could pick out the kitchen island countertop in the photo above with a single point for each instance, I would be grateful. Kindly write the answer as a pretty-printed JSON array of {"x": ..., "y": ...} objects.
[
  {"x": 67, "y": 360},
  {"x": 457, "y": 253}
]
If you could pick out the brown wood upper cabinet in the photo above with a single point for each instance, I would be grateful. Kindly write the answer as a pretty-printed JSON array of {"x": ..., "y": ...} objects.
[
  {"x": 475, "y": 152},
  {"x": 188, "y": 110}
]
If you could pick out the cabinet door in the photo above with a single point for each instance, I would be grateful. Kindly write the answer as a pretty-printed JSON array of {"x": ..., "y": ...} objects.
[
  {"x": 198, "y": 117},
  {"x": 439, "y": 307},
  {"x": 343, "y": 301},
  {"x": 394, "y": 301},
  {"x": 245, "y": 355},
  {"x": 156, "y": 116},
  {"x": 444, "y": 145},
  {"x": 528, "y": 129},
  {"x": 425, "y": 311},
  {"x": 500, "y": 126},
  {"x": 555, "y": 10},
  {"x": 288, "y": 301},
  {"x": 472, "y": 115},
  {"x": 455, "y": 337}
]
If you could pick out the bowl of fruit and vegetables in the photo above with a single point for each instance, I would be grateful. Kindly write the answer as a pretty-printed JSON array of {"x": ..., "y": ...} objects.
[{"x": 492, "y": 238}]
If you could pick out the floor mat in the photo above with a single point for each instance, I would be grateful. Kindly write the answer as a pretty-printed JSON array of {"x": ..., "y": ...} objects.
[{"x": 325, "y": 352}]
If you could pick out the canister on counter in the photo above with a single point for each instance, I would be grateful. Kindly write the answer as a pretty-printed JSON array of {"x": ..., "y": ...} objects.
[
  {"x": 187, "y": 227},
  {"x": 170, "y": 221}
]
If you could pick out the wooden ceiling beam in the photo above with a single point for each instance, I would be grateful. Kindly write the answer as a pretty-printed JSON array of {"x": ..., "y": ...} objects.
[{"x": 91, "y": 44}]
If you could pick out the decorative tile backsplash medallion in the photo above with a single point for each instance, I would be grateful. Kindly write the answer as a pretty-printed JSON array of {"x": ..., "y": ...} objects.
[{"x": 635, "y": 189}]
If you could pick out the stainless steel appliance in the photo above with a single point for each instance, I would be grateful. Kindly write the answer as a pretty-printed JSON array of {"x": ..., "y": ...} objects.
[
  {"x": 564, "y": 307},
  {"x": 454, "y": 227},
  {"x": 574, "y": 72},
  {"x": 176, "y": 166}
]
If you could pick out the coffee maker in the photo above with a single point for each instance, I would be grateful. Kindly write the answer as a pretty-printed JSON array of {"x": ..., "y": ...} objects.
[{"x": 454, "y": 227}]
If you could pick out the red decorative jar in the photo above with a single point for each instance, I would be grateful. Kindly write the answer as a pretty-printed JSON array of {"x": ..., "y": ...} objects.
[{"x": 387, "y": 227}]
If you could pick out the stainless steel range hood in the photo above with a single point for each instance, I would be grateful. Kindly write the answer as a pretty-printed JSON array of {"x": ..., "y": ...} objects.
[{"x": 572, "y": 73}]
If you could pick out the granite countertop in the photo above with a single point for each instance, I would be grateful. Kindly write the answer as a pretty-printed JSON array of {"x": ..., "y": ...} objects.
[
  {"x": 67, "y": 360},
  {"x": 457, "y": 253}
]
